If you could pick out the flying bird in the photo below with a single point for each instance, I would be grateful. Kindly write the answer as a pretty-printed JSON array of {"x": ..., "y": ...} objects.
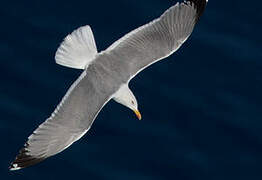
[{"x": 105, "y": 76}]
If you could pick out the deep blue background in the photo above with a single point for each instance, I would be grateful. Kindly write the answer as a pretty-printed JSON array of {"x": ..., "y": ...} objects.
[{"x": 201, "y": 107}]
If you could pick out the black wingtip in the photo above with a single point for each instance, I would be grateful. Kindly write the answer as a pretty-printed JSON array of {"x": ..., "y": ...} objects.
[
  {"x": 24, "y": 160},
  {"x": 200, "y": 6}
]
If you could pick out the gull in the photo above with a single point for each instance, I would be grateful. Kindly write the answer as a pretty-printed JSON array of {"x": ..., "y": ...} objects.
[{"x": 105, "y": 76}]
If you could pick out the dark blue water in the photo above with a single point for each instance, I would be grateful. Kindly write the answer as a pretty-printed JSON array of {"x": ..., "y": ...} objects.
[{"x": 201, "y": 107}]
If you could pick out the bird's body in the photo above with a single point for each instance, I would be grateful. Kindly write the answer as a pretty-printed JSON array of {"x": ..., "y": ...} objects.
[{"x": 105, "y": 76}]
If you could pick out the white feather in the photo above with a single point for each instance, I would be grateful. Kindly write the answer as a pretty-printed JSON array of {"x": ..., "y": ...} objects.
[{"x": 78, "y": 49}]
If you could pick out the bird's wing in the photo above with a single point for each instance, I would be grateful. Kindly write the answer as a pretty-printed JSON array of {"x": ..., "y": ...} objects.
[
  {"x": 157, "y": 39},
  {"x": 70, "y": 121}
]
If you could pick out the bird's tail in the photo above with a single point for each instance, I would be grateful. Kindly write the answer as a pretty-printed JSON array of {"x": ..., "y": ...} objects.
[{"x": 78, "y": 49}]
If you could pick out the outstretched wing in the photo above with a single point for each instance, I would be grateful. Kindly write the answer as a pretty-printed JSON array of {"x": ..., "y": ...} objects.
[
  {"x": 70, "y": 121},
  {"x": 155, "y": 40}
]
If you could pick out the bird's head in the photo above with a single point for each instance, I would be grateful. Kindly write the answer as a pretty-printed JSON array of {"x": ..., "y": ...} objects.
[
  {"x": 125, "y": 97},
  {"x": 132, "y": 104}
]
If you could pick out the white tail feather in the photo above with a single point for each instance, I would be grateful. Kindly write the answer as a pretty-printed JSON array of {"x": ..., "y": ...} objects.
[{"x": 78, "y": 49}]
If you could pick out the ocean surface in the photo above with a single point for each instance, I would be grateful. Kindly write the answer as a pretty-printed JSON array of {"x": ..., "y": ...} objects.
[{"x": 201, "y": 107}]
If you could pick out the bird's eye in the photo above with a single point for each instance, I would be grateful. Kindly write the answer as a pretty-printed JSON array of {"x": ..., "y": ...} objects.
[{"x": 132, "y": 102}]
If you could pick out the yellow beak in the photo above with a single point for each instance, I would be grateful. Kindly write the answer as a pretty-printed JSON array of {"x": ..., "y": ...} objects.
[{"x": 138, "y": 115}]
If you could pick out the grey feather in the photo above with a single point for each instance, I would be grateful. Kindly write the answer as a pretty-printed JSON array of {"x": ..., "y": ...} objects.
[
  {"x": 71, "y": 119},
  {"x": 153, "y": 41}
]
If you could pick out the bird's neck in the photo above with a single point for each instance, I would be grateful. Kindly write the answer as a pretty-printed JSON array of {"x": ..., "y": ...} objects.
[{"x": 123, "y": 95}]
